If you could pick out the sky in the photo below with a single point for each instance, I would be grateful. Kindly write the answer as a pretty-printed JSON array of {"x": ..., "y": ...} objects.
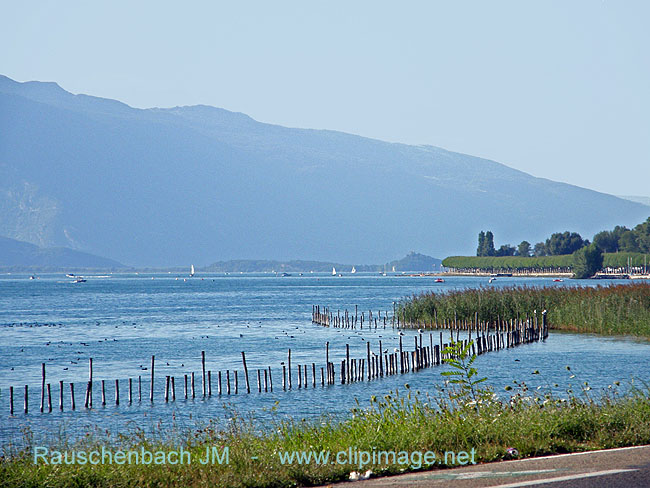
[{"x": 558, "y": 89}]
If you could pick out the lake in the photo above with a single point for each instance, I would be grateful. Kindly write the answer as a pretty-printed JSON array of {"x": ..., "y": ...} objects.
[{"x": 121, "y": 320}]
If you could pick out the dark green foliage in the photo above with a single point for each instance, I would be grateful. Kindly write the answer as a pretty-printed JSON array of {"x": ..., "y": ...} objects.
[
  {"x": 587, "y": 261},
  {"x": 505, "y": 250},
  {"x": 485, "y": 244},
  {"x": 540, "y": 249},
  {"x": 562, "y": 243},
  {"x": 642, "y": 233},
  {"x": 523, "y": 249}
]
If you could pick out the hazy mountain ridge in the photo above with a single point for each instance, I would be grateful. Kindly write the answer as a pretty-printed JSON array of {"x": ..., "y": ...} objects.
[
  {"x": 165, "y": 187},
  {"x": 17, "y": 254},
  {"x": 412, "y": 262}
]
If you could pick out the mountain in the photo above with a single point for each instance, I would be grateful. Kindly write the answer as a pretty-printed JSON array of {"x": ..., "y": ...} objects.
[
  {"x": 164, "y": 187},
  {"x": 17, "y": 254},
  {"x": 415, "y": 262},
  {"x": 642, "y": 200},
  {"x": 412, "y": 262}
]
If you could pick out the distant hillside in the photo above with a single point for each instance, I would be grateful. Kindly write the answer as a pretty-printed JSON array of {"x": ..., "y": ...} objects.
[
  {"x": 411, "y": 262},
  {"x": 169, "y": 187},
  {"x": 637, "y": 199},
  {"x": 22, "y": 255},
  {"x": 415, "y": 262}
]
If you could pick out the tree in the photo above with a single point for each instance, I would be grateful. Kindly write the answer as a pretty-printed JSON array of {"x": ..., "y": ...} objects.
[
  {"x": 523, "y": 249},
  {"x": 540, "y": 250},
  {"x": 607, "y": 241},
  {"x": 481, "y": 244},
  {"x": 627, "y": 242},
  {"x": 505, "y": 250},
  {"x": 564, "y": 243},
  {"x": 587, "y": 261},
  {"x": 642, "y": 234},
  {"x": 489, "y": 244}
]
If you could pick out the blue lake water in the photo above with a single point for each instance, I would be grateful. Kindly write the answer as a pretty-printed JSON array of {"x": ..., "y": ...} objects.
[{"x": 122, "y": 320}]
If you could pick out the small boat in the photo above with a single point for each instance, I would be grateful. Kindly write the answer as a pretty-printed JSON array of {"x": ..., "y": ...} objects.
[
  {"x": 491, "y": 279},
  {"x": 32, "y": 277},
  {"x": 191, "y": 270},
  {"x": 80, "y": 279},
  {"x": 354, "y": 270},
  {"x": 439, "y": 280},
  {"x": 333, "y": 271},
  {"x": 285, "y": 274},
  {"x": 558, "y": 279},
  {"x": 70, "y": 275}
]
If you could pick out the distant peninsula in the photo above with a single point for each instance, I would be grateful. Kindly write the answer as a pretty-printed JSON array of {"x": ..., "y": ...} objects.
[{"x": 411, "y": 262}]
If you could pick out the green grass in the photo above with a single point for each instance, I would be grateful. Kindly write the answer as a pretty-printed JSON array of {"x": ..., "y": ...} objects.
[
  {"x": 609, "y": 310},
  {"x": 562, "y": 263},
  {"x": 533, "y": 424}
]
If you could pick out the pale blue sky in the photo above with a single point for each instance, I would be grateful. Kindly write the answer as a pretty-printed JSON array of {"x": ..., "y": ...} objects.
[{"x": 557, "y": 89}]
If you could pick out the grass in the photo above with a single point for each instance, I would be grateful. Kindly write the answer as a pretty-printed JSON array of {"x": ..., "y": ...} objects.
[
  {"x": 456, "y": 418},
  {"x": 607, "y": 310},
  {"x": 550, "y": 264}
]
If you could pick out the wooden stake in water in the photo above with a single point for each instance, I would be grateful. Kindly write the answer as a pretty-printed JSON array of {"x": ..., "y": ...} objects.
[
  {"x": 248, "y": 385},
  {"x": 117, "y": 392},
  {"x": 103, "y": 392},
  {"x": 72, "y": 402},
  {"x": 289, "y": 368},
  {"x": 42, "y": 386},
  {"x": 49, "y": 398},
  {"x": 203, "y": 371},
  {"x": 11, "y": 400},
  {"x": 153, "y": 358},
  {"x": 26, "y": 400}
]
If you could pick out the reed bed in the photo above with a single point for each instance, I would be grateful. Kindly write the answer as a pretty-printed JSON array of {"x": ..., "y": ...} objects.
[{"x": 609, "y": 310}]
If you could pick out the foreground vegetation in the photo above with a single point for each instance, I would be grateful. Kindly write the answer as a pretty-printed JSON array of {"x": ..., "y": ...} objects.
[
  {"x": 462, "y": 416},
  {"x": 610, "y": 310}
]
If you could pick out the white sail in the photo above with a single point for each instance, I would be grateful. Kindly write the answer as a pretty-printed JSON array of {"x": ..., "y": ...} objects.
[
  {"x": 354, "y": 270},
  {"x": 192, "y": 270},
  {"x": 333, "y": 271}
]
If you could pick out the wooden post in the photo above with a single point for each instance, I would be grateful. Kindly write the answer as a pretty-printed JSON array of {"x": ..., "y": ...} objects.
[
  {"x": 166, "y": 388},
  {"x": 228, "y": 381},
  {"x": 284, "y": 377},
  {"x": 313, "y": 374},
  {"x": 173, "y": 388},
  {"x": 72, "y": 403},
  {"x": 117, "y": 391},
  {"x": 203, "y": 371},
  {"x": 327, "y": 359},
  {"x": 192, "y": 384},
  {"x": 347, "y": 362},
  {"x": 248, "y": 385},
  {"x": 90, "y": 382},
  {"x": 26, "y": 405},
  {"x": 369, "y": 369},
  {"x": 139, "y": 388},
  {"x": 130, "y": 391},
  {"x": 209, "y": 382},
  {"x": 49, "y": 398},
  {"x": 185, "y": 385},
  {"x": 289, "y": 368},
  {"x": 103, "y": 392},
  {"x": 219, "y": 389},
  {"x": 236, "y": 383},
  {"x": 401, "y": 357},
  {"x": 270, "y": 379},
  {"x": 11, "y": 400},
  {"x": 42, "y": 386},
  {"x": 151, "y": 386}
]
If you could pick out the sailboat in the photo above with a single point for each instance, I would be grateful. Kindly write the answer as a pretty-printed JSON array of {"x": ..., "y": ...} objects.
[
  {"x": 191, "y": 270},
  {"x": 354, "y": 270},
  {"x": 333, "y": 271}
]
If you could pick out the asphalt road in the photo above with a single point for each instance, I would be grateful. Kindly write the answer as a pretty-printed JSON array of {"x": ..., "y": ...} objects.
[{"x": 627, "y": 467}]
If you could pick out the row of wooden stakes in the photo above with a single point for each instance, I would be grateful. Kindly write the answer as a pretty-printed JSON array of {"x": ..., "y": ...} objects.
[{"x": 373, "y": 365}]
